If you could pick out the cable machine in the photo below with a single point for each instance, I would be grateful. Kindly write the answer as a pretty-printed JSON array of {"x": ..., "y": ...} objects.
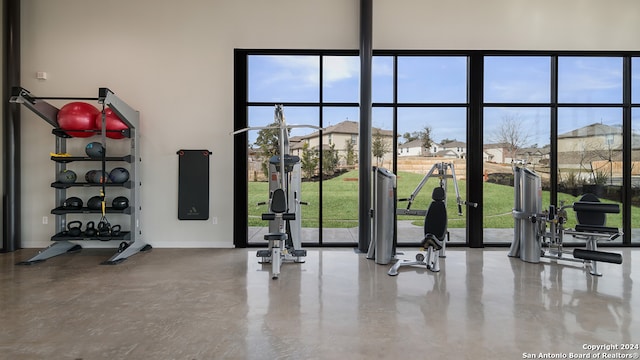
[
  {"x": 285, "y": 215},
  {"x": 436, "y": 234}
]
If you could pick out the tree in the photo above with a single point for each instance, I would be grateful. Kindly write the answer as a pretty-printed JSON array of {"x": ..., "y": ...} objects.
[
  {"x": 511, "y": 134},
  {"x": 410, "y": 136},
  {"x": 351, "y": 154},
  {"x": 309, "y": 161},
  {"x": 329, "y": 160},
  {"x": 268, "y": 141},
  {"x": 379, "y": 147},
  {"x": 425, "y": 137}
]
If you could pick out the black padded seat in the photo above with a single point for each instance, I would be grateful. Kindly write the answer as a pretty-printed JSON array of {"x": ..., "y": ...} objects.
[
  {"x": 435, "y": 221},
  {"x": 278, "y": 206},
  {"x": 591, "y": 217}
]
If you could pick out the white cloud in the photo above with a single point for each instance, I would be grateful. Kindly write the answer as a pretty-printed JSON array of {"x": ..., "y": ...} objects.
[
  {"x": 301, "y": 69},
  {"x": 338, "y": 68},
  {"x": 305, "y": 69},
  {"x": 592, "y": 75}
]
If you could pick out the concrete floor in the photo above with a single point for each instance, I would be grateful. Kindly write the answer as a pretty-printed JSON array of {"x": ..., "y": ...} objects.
[{"x": 222, "y": 304}]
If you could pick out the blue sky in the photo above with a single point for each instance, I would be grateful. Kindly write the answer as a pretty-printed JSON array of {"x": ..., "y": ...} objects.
[{"x": 441, "y": 80}]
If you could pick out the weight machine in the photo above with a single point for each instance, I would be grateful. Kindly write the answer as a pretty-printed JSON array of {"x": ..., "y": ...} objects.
[
  {"x": 284, "y": 216},
  {"x": 532, "y": 240},
  {"x": 436, "y": 234}
]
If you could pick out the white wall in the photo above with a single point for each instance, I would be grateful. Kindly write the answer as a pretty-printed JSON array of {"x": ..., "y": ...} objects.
[
  {"x": 506, "y": 24},
  {"x": 173, "y": 61}
]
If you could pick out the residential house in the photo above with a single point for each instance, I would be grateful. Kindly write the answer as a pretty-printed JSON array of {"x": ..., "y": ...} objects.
[
  {"x": 450, "y": 149},
  {"x": 341, "y": 136},
  {"x": 412, "y": 148}
]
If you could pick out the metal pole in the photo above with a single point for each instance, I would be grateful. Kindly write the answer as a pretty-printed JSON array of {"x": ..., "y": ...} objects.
[
  {"x": 364, "y": 211},
  {"x": 11, "y": 128},
  {"x": 474, "y": 152}
]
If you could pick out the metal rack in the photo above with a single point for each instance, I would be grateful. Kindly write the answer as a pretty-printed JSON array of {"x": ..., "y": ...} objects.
[{"x": 130, "y": 242}]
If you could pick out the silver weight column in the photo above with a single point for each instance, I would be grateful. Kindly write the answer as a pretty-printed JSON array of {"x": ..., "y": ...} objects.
[
  {"x": 529, "y": 199},
  {"x": 381, "y": 247}
]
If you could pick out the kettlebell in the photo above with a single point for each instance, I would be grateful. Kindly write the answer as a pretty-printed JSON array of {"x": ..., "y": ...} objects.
[
  {"x": 104, "y": 230},
  {"x": 90, "y": 229},
  {"x": 115, "y": 230},
  {"x": 74, "y": 228}
]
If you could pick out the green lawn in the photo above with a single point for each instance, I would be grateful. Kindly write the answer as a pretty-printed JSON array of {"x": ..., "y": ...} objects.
[{"x": 340, "y": 206}]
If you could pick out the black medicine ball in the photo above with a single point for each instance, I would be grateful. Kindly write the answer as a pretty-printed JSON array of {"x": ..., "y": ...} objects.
[
  {"x": 119, "y": 175},
  {"x": 67, "y": 177},
  {"x": 94, "y": 150},
  {"x": 72, "y": 203},
  {"x": 96, "y": 176},
  {"x": 120, "y": 203},
  {"x": 94, "y": 203}
]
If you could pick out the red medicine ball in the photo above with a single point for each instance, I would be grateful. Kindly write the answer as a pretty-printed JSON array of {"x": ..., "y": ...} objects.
[
  {"x": 113, "y": 123},
  {"x": 78, "y": 116}
]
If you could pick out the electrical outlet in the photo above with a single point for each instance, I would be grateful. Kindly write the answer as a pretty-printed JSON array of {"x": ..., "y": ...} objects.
[
  {"x": 214, "y": 220},
  {"x": 45, "y": 220}
]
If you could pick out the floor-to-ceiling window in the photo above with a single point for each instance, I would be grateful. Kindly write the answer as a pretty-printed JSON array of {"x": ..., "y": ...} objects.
[
  {"x": 517, "y": 123},
  {"x": 431, "y": 137},
  {"x": 317, "y": 89},
  {"x": 562, "y": 115},
  {"x": 590, "y": 137}
]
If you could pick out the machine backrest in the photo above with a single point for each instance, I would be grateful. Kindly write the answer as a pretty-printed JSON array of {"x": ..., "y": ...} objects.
[
  {"x": 278, "y": 202},
  {"x": 591, "y": 217},
  {"x": 435, "y": 221}
]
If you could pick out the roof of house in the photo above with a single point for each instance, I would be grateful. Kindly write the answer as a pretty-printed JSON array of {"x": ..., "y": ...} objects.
[
  {"x": 446, "y": 153},
  {"x": 347, "y": 127},
  {"x": 533, "y": 151},
  {"x": 592, "y": 130},
  {"x": 453, "y": 144},
  {"x": 495, "y": 146},
  {"x": 417, "y": 143}
]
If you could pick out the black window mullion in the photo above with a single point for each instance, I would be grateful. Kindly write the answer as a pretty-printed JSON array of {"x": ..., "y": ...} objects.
[
  {"x": 626, "y": 149},
  {"x": 241, "y": 187},
  {"x": 320, "y": 152},
  {"x": 474, "y": 231},
  {"x": 553, "y": 151}
]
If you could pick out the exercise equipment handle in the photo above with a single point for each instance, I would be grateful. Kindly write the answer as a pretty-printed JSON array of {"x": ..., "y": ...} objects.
[
  {"x": 597, "y": 256},
  {"x": 285, "y": 216},
  {"x": 596, "y": 229},
  {"x": 596, "y": 207}
]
